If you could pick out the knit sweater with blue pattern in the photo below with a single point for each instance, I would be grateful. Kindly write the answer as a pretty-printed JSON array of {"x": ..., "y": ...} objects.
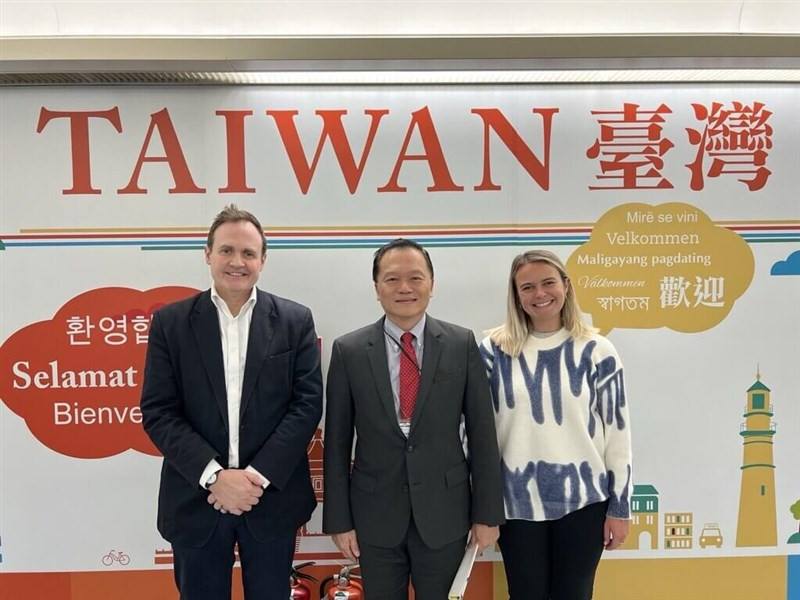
[{"x": 562, "y": 426}]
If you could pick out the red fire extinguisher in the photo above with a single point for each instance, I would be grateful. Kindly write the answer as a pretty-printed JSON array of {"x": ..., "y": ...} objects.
[
  {"x": 344, "y": 586},
  {"x": 299, "y": 589}
]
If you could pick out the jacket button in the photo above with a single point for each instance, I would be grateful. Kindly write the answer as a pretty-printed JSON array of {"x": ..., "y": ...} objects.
[
  {"x": 405, "y": 488},
  {"x": 410, "y": 447}
]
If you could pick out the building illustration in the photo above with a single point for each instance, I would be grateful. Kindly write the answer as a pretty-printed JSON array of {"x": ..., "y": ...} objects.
[
  {"x": 757, "y": 523},
  {"x": 644, "y": 517},
  {"x": 315, "y": 451},
  {"x": 677, "y": 531},
  {"x": 313, "y": 528}
]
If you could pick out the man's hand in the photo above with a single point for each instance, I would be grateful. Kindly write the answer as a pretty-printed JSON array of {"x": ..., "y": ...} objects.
[
  {"x": 347, "y": 544},
  {"x": 235, "y": 491},
  {"x": 614, "y": 532},
  {"x": 484, "y": 536}
]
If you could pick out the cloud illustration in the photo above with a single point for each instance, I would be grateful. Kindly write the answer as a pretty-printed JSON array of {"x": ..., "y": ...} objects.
[
  {"x": 76, "y": 378},
  {"x": 668, "y": 265},
  {"x": 790, "y": 266}
]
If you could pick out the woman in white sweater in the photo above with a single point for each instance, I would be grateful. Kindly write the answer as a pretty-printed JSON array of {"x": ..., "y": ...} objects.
[{"x": 564, "y": 435}]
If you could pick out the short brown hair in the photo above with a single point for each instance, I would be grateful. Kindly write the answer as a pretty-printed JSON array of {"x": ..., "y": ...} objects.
[{"x": 230, "y": 214}]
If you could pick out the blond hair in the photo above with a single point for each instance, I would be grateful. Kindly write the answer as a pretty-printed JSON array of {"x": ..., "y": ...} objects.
[{"x": 512, "y": 334}]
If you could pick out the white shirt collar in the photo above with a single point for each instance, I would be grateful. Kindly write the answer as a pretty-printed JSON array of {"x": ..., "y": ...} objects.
[{"x": 220, "y": 303}]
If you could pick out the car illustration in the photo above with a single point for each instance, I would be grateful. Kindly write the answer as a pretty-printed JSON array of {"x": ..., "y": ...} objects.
[{"x": 711, "y": 536}]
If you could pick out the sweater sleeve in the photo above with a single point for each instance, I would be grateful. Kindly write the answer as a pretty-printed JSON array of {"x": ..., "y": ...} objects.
[
  {"x": 487, "y": 354},
  {"x": 612, "y": 403}
]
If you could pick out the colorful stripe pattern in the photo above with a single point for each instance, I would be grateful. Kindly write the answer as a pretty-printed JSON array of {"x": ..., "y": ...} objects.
[{"x": 371, "y": 236}]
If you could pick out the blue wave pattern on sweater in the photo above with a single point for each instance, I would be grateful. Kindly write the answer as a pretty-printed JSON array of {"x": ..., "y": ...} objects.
[
  {"x": 549, "y": 361},
  {"x": 542, "y": 490},
  {"x": 611, "y": 397},
  {"x": 503, "y": 371},
  {"x": 552, "y": 480},
  {"x": 618, "y": 505}
]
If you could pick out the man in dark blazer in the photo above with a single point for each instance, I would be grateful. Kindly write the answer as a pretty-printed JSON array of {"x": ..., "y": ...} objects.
[
  {"x": 412, "y": 497},
  {"x": 232, "y": 395}
]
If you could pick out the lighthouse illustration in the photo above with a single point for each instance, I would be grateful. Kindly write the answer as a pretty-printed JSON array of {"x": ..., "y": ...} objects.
[{"x": 757, "y": 520}]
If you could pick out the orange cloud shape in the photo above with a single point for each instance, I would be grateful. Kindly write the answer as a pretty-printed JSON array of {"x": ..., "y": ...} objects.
[{"x": 76, "y": 379}]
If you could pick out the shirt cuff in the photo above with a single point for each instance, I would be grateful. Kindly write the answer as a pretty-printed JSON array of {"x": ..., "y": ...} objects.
[
  {"x": 264, "y": 480},
  {"x": 212, "y": 467}
]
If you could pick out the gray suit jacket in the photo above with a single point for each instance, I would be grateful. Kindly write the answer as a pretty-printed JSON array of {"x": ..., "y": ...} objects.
[{"x": 426, "y": 475}]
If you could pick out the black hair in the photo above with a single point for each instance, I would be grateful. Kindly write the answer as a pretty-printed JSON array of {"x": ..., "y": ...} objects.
[{"x": 398, "y": 244}]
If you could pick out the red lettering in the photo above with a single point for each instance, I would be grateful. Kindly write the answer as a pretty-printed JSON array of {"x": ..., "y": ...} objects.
[
  {"x": 234, "y": 134},
  {"x": 173, "y": 156},
  {"x": 493, "y": 119},
  {"x": 631, "y": 148},
  {"x": 736, "y": 139},
  {"x": 442, "y": 181},
  {"x": 79, "y": 140},
  {"x": 332, "y": 129}
]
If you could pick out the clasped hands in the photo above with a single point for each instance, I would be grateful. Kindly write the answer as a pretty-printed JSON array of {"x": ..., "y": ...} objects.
[{"x": 235, "y": 491}]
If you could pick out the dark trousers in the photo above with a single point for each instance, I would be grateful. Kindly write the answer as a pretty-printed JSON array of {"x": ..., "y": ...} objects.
[
  {"x": 386, "y": 571},
  {"x": 554, "y": 560},
  {"x": 205, "y": 573}
]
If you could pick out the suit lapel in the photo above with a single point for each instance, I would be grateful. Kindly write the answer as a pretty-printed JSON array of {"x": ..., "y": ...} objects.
[
  {"x": 205, "y": 325},
  {"x": 258, "y": 343},
  {"x": 376, "y": 352},
  {"x": 430, "y": 362}
]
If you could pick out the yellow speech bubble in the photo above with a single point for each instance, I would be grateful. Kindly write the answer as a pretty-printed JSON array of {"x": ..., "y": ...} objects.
[{"x": 667, "y": 265}]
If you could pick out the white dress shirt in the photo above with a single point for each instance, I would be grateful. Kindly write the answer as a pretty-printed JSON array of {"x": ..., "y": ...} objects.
[{"x": 234, "y": 334}]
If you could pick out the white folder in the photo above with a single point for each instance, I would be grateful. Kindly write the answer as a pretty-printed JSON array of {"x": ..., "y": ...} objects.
[{"x": 462, "y": 575}]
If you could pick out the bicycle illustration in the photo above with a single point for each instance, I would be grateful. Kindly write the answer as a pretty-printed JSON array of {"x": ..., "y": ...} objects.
[{"x": 113, "y": 556}]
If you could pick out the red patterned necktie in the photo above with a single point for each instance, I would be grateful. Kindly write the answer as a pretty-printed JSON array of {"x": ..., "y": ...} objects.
[{"x": 409, "y": 377}]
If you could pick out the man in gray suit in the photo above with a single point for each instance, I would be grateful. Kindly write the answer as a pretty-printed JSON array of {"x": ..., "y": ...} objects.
[{"x": 404, "y": 385}]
